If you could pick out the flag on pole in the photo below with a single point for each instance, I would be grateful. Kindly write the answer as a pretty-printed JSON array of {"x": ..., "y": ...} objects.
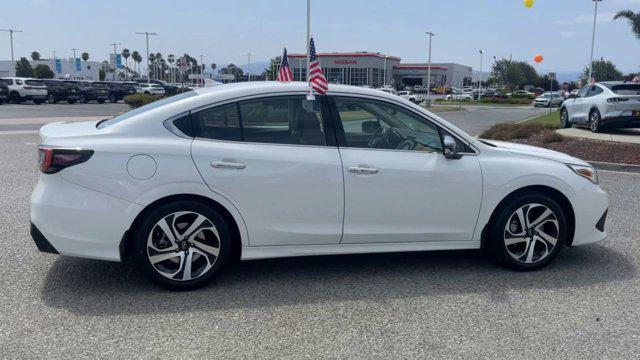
[
  {"x": 317, "y": 81},
  {"x": 284, "y": 73}
]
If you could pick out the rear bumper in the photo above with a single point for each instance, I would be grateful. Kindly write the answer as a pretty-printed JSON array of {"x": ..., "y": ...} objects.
[
  {"x": 622, "y": 121},
  {"x": 75, "y": 221}
]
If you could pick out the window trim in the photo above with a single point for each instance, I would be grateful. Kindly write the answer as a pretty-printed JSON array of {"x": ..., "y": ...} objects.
[
  {"x": 330, "y": 139},
  {"x": 341, "y": 135}
]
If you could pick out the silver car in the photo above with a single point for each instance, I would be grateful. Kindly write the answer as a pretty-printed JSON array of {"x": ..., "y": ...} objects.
[
  {"x": 603, "y": 104},
  {"x": 548, "y": 99}
]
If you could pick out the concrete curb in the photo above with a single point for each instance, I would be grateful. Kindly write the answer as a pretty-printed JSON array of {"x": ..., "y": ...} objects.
[{"x": 615, "y": 167}]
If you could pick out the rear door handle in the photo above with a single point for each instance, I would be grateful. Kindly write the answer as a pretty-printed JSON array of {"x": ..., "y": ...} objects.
[
  {"x": 362, "y": 170},
  {"x": 227, "y": 165}
]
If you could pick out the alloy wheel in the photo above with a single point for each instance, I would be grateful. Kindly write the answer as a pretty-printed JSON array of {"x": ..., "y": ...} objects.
[
  {"x": 183, "y": 245},
  {"x": 594, "y": 122},
  {"x": 531, "y": 233},
  {"x": 564, "y": 117}
]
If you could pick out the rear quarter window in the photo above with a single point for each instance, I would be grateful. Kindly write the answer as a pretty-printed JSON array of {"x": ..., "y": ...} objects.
[{"x": 626, "y": 89}]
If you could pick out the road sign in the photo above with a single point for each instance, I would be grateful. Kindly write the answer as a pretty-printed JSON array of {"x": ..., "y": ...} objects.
[
  {"x": 552, "y": 76},
  {"x": 119, "y": 61}
]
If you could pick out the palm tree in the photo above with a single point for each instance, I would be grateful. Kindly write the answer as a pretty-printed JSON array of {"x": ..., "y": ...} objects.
[
  {"x": 135, "y": 55},
  {"x": 35, "y": 56},
  {"x": 85, "y": 56},
  {"x": 125, "y": 54},
  {"x": 213, "y": 68},
  {"x": 152, "y": 59},
  {"x": 632, "y": 18},
  {"x": 171, "y": 58}
]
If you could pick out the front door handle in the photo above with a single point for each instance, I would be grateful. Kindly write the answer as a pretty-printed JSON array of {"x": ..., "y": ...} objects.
[
  {"x": 362, "y": 170},
  {"x": 227, "y": 165}
]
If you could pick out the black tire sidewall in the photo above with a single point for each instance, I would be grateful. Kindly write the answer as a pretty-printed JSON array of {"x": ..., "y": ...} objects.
[
  {"x": 566, "y": 124},
  {"x": 140, "y": 244},
  {"x": 498, "y": 249},
  {"x": 599, "y": 120}
]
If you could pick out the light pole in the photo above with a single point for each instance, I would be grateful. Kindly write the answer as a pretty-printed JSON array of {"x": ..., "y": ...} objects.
[
  {"x": 146, "y": 33},
  {"x": 385, "y": 71},
  {"x": 430, "y": 34},
  {"x": 74, "y": 53},
  {"x": 480, "y": 79},
  {"x": 115, "y": 63},
  {"x": 201, "y": 70},
  {"x": 11, "y": 31},
  {"x": 248, "y": 55},
  {"x": 593, "y": 37}
]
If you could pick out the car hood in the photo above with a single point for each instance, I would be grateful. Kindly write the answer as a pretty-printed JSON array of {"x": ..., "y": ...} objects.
[{"x": 529, "y": 150}]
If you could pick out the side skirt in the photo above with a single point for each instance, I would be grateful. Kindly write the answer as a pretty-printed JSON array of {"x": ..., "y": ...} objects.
[{"x": 266, "y": 252}]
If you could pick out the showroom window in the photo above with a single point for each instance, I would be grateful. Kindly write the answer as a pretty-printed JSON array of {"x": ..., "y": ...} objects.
[{"x": 374, "y": 124}]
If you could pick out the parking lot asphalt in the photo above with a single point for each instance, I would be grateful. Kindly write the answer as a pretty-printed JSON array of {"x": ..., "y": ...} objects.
[
  {"x": 30, "y": 117},
  {"x": 408, "y": 305}
]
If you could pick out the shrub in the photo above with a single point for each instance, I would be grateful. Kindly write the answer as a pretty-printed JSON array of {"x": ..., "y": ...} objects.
[
  {"x": 552, "y": 137},
  {"x": 513, "y": 131},
  {"x": 512, "y": 101},
  {"x": 137, "y": 100}
]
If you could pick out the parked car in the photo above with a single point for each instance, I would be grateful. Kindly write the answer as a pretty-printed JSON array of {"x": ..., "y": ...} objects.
[
  {"x": 150, "y": 89},
  {"x": 4, "y": 92},
  {"x": 26, "y": 89},
  {"x": 58, "y": 90},
  {"x": 460, "y": 96},
  {"x": 521, "y": 93},
  {"x": 603, "y": 104},
  {"x": 93, "y": 90},
  {"x": 169, "y": 89},
  {"x": 119, "y": 89},
  {"x": 255, "y": 170},
  {"x": 419, "y": 89},
  {"x": 548, "y": 99},
  {"x": 408, "y": 95}
]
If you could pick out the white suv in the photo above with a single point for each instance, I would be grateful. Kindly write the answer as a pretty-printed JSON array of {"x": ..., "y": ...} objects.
[
  {"x": 603, "y": 104},
  {"x": 150, "y": 89},
  {"x": 25, "y": 89},
  {"x": 408, "y": 95}
]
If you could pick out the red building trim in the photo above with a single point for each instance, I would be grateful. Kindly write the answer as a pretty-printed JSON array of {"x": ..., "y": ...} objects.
[{"x": 358, "y": 54}]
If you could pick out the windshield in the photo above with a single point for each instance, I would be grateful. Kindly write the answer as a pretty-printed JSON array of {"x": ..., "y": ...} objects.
[{"x": 154, "y": 105}]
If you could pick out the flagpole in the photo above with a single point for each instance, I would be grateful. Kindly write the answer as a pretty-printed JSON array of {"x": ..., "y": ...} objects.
[{"x": 310, "y": 95}]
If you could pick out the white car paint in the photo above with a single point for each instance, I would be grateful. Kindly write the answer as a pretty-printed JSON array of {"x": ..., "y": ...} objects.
[
  {"x": 612, "y": 104},
  {"x": 292, "y": 200},
  {"x": 20, "y": 86},
  {"x": 152, "y": 89}
]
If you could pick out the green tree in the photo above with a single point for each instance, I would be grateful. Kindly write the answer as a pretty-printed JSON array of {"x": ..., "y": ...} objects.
[
  {"x": 513, "y": 74},
  {"x": 632, "y": 18},
  {"x": 213, "y": 68},
  {"x": 35, "y": 55},
  {"x": 85, "y": 56},
  {"x": 274, "y": 65},
  {"x": 545, "y": 83},
  {"x": 233, "y": 70},
  {"x": 603, "y": 70},
  {"x": 23, "y": 68},
  {"x": 101, "y": 74},
  {"x": 43, "y": 71},
  {"x": 135, "y": 55}
]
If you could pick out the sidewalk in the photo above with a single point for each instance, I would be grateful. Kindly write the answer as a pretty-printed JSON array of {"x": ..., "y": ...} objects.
[{"x": 631, "y": 136}]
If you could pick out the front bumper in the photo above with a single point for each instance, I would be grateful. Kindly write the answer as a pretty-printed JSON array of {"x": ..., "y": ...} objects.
[
  {"x": 77, "y": 221},
  {"x": 590, "y": 208}
]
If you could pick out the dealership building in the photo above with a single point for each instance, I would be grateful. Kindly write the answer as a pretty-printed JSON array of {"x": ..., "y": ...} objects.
[
  {"x": 62, "y": 68},
  {"x": 375, "y": 69}
]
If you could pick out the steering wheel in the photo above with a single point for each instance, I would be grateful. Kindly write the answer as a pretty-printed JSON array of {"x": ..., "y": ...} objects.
[{"x": 378, "y": 138}]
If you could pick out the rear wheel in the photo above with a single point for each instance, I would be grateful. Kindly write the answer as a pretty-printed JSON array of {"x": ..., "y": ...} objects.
[
  {"x": 15, "y": 98},
  {"x": 564, "y": 118},
  {"x": 51, "y": 99},
  {"x": 182, "y": 245},
  {"x": 83, "y": 99},
  {"x": 112, "y": 99},
  {"x": 595, "y": 121},
  {"x": 528, "y": 232}
]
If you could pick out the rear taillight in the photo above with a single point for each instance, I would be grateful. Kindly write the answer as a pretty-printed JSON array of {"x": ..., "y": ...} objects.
[
  {"x": 53, "y": 159},
  {"x": 616, "y": 100}
]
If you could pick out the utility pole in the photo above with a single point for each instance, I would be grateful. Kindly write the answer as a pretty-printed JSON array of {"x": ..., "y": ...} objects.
[
  {"x": 248, "y": 55},
  {"x": 147, "y": 34},
  {"x": 385, "y": 71},
  {"x": 201, "y": 70},
  {"x": 480, "y": 80},
  {"x": 11, "y": 31},
  {"x": 115, "y": 63},
  {"x": 430, "y": 34},
  {"x": 74, "y": 53},
  {"x": 593, "y": 38}
]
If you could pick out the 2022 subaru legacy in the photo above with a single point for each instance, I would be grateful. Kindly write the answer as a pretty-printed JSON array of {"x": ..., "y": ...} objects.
[{"x": 258, "y": 170}]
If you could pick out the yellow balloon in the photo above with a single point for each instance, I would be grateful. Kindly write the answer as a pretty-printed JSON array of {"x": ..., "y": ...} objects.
[{"x": 528, "y": 3}]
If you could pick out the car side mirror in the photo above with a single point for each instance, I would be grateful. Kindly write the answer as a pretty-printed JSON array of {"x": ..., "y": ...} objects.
[
  {"x": 370, "y": 127},
  {"x": 450, "y": 148}
]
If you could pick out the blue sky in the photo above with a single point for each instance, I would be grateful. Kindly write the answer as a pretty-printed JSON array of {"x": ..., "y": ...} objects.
[{"x": 560, "y": 30}]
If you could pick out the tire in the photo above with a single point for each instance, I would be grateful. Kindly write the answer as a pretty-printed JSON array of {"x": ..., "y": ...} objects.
[
  {"x": 52, "y": 99},
  {"x": 83, "y": 99},
  {"x": 15, "y": 98},
  {"x": 112, "y": 99},
  {"x": 509, "y": 243},
  {"x": 100, "y": 101},
  {"x": 147, "y": 93},
  {"x": 564, "y": 118},
  {"x": 595, "y": 121},
  {"x": 170, "y": 270}
]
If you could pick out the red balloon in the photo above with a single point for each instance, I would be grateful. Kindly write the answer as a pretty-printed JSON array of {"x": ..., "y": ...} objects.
[{"x": 538, "y": 58}]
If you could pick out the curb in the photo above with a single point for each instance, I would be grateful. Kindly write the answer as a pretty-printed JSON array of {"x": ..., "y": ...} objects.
[{"x": 615, "y": 167}]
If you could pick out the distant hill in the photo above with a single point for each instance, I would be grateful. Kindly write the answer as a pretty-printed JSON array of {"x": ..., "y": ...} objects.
[{"x": 256, "y": 67}]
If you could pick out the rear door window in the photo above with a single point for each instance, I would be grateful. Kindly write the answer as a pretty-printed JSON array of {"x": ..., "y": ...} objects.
[{"x": 218, "y": 123}]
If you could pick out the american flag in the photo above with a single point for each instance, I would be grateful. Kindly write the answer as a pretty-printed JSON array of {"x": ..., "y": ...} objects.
[
  {"x": 284, "y": 73},
  {"x": 317, "y": 81}
]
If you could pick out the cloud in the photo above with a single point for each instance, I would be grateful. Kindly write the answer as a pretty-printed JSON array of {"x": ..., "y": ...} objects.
[
  {"x": 606, "y": 16},
  {"x": 568, "y": 34}
]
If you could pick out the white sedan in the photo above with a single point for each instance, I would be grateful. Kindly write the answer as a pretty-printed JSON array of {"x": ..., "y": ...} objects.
[
  {"x": 150, "y": 89},
  {"x": 256, "y": 170}
]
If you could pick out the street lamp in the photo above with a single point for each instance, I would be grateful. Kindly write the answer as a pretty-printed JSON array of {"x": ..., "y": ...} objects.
[
  {"x": 74, "y": 53},
  {"x": 431, "y": 34},
  {"x": 593, "y": 37},
  {"x": 248, "y": 55},
  {"x": 146, "y": 33},
  {"x": 11, "y": 31},
  {"x": 480, "y": 80}
]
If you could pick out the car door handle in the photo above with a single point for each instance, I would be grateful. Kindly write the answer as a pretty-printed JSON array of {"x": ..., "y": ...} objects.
[
  {"x": 362, "y": 170},
  {"x": 227, "y": 165}
]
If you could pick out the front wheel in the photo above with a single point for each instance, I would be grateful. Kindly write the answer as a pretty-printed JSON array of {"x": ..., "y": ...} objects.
[
  {"x": 83, "y": 99},
  {"x": 528, "y": 232},
  {"x": 564, "y": 119},
  {"x": 51, "y": 99},
  {"x": 182, "y": 245}
]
